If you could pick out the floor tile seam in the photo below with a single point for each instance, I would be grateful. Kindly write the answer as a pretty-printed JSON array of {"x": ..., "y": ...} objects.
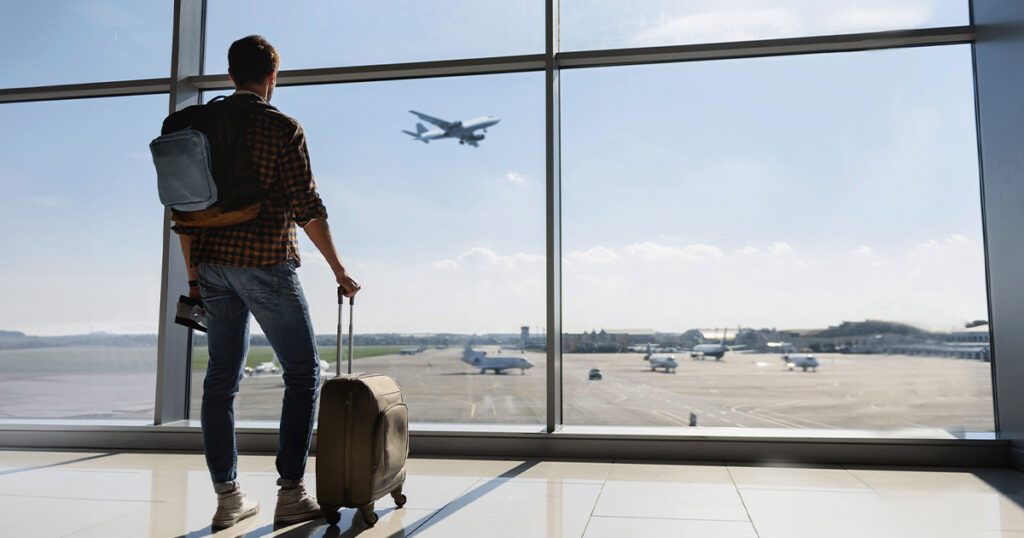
[
  {"x": 670, "y": 518},
  {"x": 437, "y": 511},
  {"x": 798, "y": 489},
  {"x": 73, "y": 498},
  {"x": 743, "y": 501},
  {"x": 57, "y": 465},
  {"x": 594, "y": 508},
  {"x": 97, "y": 524},
  {"x": 859, "y": 479}
]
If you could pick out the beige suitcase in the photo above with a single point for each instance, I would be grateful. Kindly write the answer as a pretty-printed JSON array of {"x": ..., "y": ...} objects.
[{"x": 362, "y": 440}]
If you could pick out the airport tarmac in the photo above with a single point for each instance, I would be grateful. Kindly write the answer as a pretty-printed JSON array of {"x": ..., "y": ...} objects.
[{"x": 742, "y": 390}]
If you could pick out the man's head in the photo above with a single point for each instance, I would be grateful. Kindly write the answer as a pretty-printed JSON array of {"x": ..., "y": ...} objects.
[{"x": 252, "y": 65}]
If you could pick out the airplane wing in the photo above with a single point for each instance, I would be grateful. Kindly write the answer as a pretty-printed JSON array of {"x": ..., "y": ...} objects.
[{"x": 430, "y": 119}]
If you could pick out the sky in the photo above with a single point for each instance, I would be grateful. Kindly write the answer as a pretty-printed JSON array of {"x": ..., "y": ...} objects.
[{"x": 791, "y": 192}]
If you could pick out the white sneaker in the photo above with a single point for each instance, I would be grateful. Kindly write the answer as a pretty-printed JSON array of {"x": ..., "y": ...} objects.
[
  {"x": 295, "y": 505},
  {"x": 233, "y": 507}
]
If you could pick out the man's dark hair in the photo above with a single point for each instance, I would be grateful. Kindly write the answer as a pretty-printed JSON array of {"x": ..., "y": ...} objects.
[{"x": 252, "y": 59}]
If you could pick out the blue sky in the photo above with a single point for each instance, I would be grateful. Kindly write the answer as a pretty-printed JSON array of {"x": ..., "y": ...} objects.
[{"x": 788, "y": 192}]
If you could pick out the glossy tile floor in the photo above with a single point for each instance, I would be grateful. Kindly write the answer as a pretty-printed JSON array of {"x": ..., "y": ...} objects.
[{"x": 168, "y": 494}]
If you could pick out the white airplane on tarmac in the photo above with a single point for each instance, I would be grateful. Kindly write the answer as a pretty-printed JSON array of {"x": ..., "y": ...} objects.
[
  {"x": 668, "y": 362},
  {"x": 800, "y": 360},
  {"x": 713, "y": 350},
  {"x": 465, "y": 131},
  {"x": 498, "y": 364},
  {"x": 274, "y": 367}
]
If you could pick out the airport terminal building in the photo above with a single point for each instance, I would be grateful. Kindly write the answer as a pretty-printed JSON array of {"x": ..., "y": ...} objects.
[{"x": 608, "y": 178}]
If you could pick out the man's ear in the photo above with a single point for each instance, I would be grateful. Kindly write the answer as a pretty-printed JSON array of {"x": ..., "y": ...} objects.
[{"x": 272, "y": 79}]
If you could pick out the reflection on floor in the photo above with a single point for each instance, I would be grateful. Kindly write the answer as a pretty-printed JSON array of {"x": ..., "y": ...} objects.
[{"x": 168, "y": 494}]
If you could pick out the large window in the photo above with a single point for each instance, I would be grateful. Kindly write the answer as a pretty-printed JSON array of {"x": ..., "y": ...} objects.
[
  {"x": 323, "y": 33},
  {"x": 81, "y": 272},
  {"x": 447, "y": 239},
  {"x": 822, "y": 206},
  {"x": 608, "y": 24},
  {"x": 74, "y": 41},
  {"x": 788, "y": 241}
]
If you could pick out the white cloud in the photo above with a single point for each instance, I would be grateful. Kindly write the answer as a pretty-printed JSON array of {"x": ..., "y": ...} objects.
[
  {"x": 867, "y": 19},
  {"x": 446, "y": 265},
  {"x": 596, "y": 254},
  {"x": 862, "y": 251},
  {"x": 748, "y": 251},
  {"x": 516, "y": 177},
  {"x": 482, "y": 256},
  {"x": 725, "y": 25},
  {"x": 650, "y": 251},
  {"x": 780, "y": 248}
]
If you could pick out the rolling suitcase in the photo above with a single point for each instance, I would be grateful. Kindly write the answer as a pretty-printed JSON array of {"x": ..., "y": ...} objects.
[{"x": 362, "y": 438}]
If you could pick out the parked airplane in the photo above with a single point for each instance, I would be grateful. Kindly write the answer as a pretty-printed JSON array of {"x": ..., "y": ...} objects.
[
  {"x": 274, "y": 367},
  {"x": 712, "y": 350},
  {"x": 411, "y": 351},
  {"x": 498, "y": 364},
  {"x": 800, "y": 360},
  {"x": 668, "y": 362},
  {"x": 465, "y": 131}
]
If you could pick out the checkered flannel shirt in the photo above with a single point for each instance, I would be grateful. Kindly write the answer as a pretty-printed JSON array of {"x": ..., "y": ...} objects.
[{"x": 280, "y": 158}]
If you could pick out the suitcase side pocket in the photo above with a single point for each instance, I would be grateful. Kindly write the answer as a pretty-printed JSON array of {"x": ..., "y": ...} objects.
[{"x": 392, "y": 445}]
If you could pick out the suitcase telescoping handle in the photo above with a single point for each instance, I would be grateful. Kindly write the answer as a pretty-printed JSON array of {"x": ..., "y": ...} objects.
[{"x": 351, "y": 310}]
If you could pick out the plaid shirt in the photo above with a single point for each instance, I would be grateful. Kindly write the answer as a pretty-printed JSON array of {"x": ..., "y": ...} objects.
[{"x": 280, "y": 158}]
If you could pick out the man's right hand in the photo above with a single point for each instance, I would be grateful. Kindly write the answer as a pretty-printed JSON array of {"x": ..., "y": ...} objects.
[{"x": 350, "y": 286}]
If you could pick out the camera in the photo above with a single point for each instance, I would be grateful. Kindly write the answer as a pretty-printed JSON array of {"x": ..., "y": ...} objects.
[{"x": 191, "y": 313}]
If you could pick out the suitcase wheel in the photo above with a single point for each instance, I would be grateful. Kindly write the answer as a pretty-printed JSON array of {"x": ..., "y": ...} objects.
[
  {"x": 331, "y": 514},
  {"x": 369, "y": 516},
  {"x": 399, "y": 498}
]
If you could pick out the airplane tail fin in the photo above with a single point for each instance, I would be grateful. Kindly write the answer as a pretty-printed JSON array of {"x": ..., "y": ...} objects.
[{"x": 420, "y": 129}]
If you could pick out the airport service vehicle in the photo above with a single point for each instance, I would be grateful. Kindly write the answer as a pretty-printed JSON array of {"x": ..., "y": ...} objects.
[
  {"x": 800, "y": 360},
  {"x": 362, "y": 439},
  {"x": 496, "y": 364},
  {"x": 465, "y": 131},
  {"x": 594, "y": 375},
  {"x": 668, "y": 362}
]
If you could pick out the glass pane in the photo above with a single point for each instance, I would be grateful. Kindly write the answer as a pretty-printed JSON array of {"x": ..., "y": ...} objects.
[
  {"x": 75, "y": 41},
  {"x": 608, "y": 24},
  {"x": 321, "y": 33},
  {"x": 447, "y": 240},
  {"x": 81, "y": 272},
  {"x": 819, "y": 205}
]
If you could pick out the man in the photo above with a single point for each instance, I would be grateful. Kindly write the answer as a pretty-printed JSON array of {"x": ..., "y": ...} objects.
[{"x": 250, "y": 268}]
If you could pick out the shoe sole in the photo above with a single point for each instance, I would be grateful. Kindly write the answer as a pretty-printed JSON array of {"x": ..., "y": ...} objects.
[
  {"x": 297, "y": 518},
  {"x": 225, "y": 523}
]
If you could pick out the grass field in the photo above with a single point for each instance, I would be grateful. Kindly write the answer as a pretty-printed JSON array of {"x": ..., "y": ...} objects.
[{"x": 258, "y": 354}]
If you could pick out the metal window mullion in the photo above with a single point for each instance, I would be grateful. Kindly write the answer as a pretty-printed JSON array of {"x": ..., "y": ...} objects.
[
  {"x": 947, "y": 35},
  {"x": 553, "y": 219},
  {"x": 118, "y": 88},
  {"x": 174, "y": 342}
]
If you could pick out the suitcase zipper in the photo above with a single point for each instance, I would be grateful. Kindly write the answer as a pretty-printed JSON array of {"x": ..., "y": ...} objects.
[{"x": 348, "y": 446}]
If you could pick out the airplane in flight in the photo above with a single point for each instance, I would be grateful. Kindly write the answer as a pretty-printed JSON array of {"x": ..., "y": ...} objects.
[
  {"x": 498, "y": 364},
  {"x": 465, "y": 131},
  {"x": 668, "y": 362},
  {"x": 700, "y": 351},
  {"x": 800, "y": 360}
]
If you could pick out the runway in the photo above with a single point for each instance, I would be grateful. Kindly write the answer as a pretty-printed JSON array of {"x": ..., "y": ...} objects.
[{"x": 742, "y": 390}]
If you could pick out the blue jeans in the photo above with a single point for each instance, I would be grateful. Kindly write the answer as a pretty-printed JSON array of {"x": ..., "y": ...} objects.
[{"x": 274, "y": 297}]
